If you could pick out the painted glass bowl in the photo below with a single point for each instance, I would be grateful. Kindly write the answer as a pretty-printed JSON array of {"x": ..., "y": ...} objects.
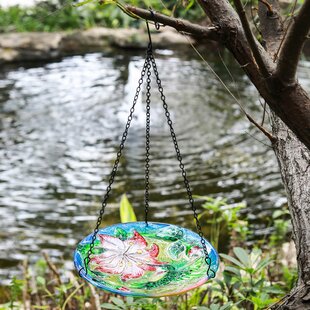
[{"x": 145, "y": 260}]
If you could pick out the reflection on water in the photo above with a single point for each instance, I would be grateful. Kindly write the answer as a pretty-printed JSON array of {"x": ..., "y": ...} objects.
[{"x": 60, "y": 128}]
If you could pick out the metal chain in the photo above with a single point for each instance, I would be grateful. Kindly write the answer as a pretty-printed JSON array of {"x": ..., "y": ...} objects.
[
  {"x": 115, "y": 166},
  {"x": 210, "y": 272},
  {"x": 147, "y": 136},
  {"x": 149, "y": 62}
]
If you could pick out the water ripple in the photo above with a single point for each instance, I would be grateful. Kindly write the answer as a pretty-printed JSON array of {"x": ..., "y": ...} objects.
[{"x": 60, "y": 125}]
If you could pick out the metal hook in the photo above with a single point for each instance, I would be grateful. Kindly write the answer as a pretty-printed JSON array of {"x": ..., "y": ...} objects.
[
  {"x": 157, "y": 25},
  {"x": 80, "y": 271},
  {"x": 150, "y": 47}
]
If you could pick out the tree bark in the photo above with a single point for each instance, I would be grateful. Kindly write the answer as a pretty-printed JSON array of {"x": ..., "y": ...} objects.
[
  {"x": 290, "y": 102},
  {"x": 294, "y": 162},
  {"x": 293, "y": 156},
  {"x": 293, "y": 45}
]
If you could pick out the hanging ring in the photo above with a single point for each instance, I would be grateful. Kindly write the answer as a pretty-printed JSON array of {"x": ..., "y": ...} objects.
[
  {"x": 157, "y": 25},
  {"x": 80, "y": 271}
]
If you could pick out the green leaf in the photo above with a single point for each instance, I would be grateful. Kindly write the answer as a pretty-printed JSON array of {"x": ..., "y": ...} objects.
[
  {"x": 82, "y": 3},
  {"x": 233, "y": 270},
  {"x": 227, "y": 306},
  {"x": 127, "y": 213},
  {"x": 227, "y": 277},
  {"x": 118, "y": 302},
  {"x": 41, "y": 281},
  {"x": 215, "y": 307},
  {"x": 232, "y": 260},
  {"x": 259, "y": 283},
  {"x": 273, "y": 290},
  {"x": 129, "y": 300},
  {"x": 277, "y": 213},
  {"x": 263, "y": 263},
  {"x": 109, "y": 306},
  {"x": 190, "y": 4},
  {"x": 242, "y": 256}
]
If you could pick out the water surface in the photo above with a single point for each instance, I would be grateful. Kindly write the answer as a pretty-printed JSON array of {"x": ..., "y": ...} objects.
[{"x": 60, "y": 126}]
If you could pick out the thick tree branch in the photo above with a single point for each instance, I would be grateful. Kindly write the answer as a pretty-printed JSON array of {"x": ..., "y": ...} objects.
[
  {"x": 268, "y": 6},
  {"x": 223, "y": 15},
  {"x": 291, "y": 104},
  {"x": 271, "y": 26},
  {"x": 293, "y": 45},
  {"x": 179, "y": 24},
  {"x": 185, "y": 26},
  {"x": 252, "y": 42}
]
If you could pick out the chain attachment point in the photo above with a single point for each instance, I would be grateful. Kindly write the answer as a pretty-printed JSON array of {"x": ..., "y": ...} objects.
[{"x": 157, "y": 25}]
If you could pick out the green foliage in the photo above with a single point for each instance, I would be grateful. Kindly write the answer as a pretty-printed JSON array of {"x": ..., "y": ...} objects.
[
  {"x": 16, "y": 289},
  {"x": 250, "y": 280},
  {"x": 245, "y": 279},
  {"x": 59, "y": 15},
  {"x": 132, "y": 303},
  {"x": 222, "y": 219},
  {"x": 127, "y": 214},
  {"x": 216, "y": 307},
  {"x": 244, "y": 284},
  {"x": 281, "y": 226},
  {"x": 289, "y": 276},
  {"x": 47, "y": 16}
]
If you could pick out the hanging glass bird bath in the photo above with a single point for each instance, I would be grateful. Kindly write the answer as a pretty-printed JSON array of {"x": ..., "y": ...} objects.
[{"x": 146, "y": 258}]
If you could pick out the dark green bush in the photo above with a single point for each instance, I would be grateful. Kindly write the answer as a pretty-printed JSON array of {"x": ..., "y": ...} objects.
[{"x": 52, "y": 16}]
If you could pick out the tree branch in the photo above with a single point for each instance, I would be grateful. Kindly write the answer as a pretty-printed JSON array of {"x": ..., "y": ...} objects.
[
  {"x": 268, "y": 5},
  {"x": 268, "y": 134},
  {"x": 293, "y": 45},
  {"x": 252, "y": 42},
  {"x": 291, "y": 104},
  {"x": 271, "y": 26},
  {"x": 176, "y": 23}
]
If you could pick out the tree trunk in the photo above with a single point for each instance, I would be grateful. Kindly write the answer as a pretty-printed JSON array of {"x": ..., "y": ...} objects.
[
  {"x": 294, "y": 162},
  {"x": 288, "y": 100}
]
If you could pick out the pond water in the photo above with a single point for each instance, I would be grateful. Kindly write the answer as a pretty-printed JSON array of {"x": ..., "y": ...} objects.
[{"x": 60, "y": 127}]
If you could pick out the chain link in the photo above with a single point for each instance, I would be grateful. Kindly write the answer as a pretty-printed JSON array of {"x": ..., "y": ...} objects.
[
  {"x": 210, "y": 272},
  {"x": 147, "y": 137},
  {"x": 115, "y": 166}
]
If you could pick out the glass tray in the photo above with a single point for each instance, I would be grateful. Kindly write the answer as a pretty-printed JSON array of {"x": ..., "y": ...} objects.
[{"x": 135, "y": 259}]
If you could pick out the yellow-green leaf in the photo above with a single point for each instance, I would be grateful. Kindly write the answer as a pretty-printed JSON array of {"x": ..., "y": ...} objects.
[
  {"x": 82, "y": 3},
  {"x": 127, "y": 213}
]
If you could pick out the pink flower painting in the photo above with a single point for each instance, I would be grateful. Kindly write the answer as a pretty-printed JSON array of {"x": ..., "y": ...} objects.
[{"x": 130, "y": 258}]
